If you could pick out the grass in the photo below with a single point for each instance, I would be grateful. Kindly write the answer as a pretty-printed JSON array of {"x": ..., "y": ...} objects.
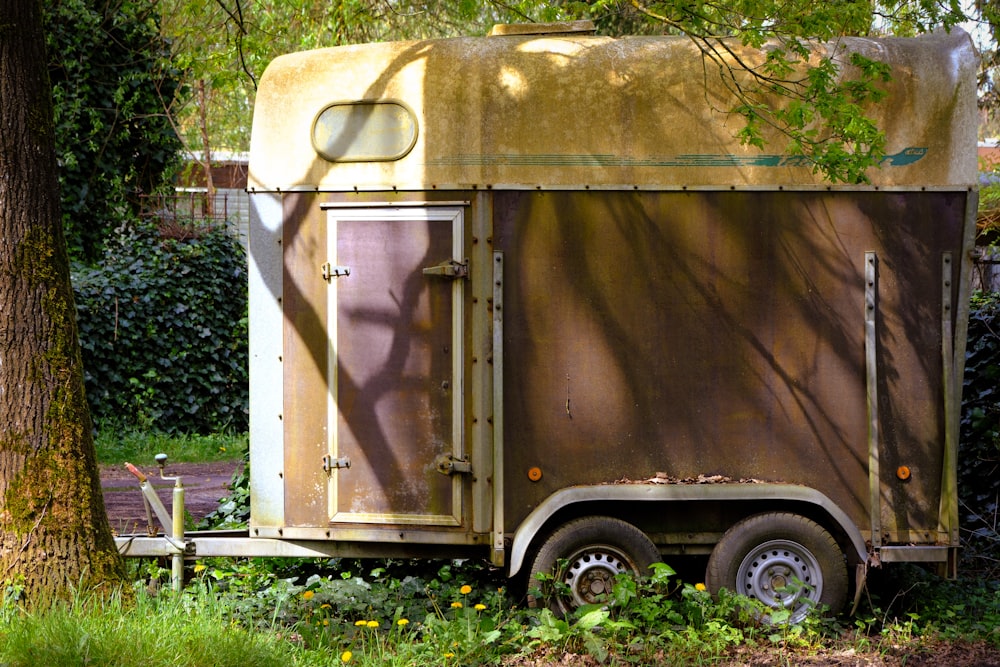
[
  {"x": 193, "y": 630},
  {"x": 117, "y": 445},
  {"x": 408, "y": 612},
  {"x": 261, "y": 612}
]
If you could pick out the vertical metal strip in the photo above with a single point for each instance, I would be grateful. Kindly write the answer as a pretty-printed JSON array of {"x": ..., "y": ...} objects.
[
  {"x": 458, "y": 448},
  {"x": 948, "y": 512},
  {"x": 871, "y": 362},
  {"x": 266, "y": 340},
  {"x": 480, "y": 318},
  {"x": 948, "y": 509},
  {"x": 332, "y": 365},
  {"x": 498, "y": 471}
]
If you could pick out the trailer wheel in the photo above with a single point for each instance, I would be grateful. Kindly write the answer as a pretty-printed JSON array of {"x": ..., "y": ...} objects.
[
  {"x": 784, "y": 560},
  {"x": 583, "y": 558}
]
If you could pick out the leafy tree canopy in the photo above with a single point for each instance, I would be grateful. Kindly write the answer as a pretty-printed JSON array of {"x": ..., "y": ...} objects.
[
  {"x": 224, "y": 46},
  {"x": 112, "y": 80}
]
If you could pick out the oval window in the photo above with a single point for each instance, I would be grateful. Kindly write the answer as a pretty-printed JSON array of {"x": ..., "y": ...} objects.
[{"x": 364, "y": 131}]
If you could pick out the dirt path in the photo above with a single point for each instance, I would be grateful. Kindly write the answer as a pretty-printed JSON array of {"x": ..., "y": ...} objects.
[{"x": 204, "y": 485}]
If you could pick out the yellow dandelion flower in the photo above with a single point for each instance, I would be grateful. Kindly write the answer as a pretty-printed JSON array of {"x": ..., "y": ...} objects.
[
  {"x": 401, "y": 622},
  {"x": 700, "y": 587},
  {"x": 326, "y": 621},
  {"x": 346, "y": 656},
  {"x": 199, "y": 568},
  {"x": 465, "y": 590},
  {"x": 308, "y": 595},
  {"x": 456, "y": 605},
  {"x": 360, "y": 623},
  {"x": 449, "y": 654},
  {"x": 372, "y": 624},
  {"x": 480, "y": 607}
]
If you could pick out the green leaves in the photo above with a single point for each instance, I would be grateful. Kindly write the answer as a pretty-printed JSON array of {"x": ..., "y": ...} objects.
[
  {"x": 111, "y": 86},
  {"x": 163, "y": 332},
  {"x": 795, "y": 99},
  {"x": 819, "y": 105},
  {"x": 979, "y": 442}
]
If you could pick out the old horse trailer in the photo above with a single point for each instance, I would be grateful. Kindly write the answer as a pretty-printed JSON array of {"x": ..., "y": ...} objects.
[{"x": 525, "y": 296}]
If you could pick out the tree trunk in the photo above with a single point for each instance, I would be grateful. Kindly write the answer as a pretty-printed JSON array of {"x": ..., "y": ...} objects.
[
  {"x": 206, "y": 148},
  {"x": 54, "y": 533}
]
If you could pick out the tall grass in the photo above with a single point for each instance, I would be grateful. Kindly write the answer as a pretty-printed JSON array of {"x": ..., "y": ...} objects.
[{"x": 190, "y": 631}]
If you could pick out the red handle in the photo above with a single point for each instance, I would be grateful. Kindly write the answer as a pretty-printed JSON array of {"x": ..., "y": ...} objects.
[{"x": 135, "y": 471}]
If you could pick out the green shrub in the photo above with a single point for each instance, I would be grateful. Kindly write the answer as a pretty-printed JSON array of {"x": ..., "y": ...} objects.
[
  {"x": 233, "y": 510},
  {"x": 979, "y": 445},
  {"x": 163, "y": 332},
  {"x": 111, "y": 79}
]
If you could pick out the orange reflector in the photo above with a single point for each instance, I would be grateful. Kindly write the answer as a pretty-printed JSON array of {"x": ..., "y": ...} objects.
[
  {"x": 903, "y": 472},
  {"x": 534, "y": 474}
]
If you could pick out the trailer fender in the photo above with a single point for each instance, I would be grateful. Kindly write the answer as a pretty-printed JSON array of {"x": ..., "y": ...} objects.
[{"x": 539, "y": 518}]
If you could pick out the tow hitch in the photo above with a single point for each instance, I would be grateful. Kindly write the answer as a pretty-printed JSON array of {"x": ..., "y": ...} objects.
[{"x": 176, "y": 522}]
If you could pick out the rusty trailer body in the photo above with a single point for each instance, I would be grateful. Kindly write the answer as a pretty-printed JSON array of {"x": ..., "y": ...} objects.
[{"x": 525, "y": 294}]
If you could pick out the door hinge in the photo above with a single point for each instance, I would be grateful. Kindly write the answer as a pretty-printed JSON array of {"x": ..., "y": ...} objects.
[
  {"x": 330, "y": 272},
  {"x": 449, "y": 269},
  {"x": 448, "y": 465},
  {"x": 330, "y": 463}
]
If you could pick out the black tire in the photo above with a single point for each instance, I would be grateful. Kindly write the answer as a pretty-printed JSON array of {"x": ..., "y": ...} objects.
[
  {"x": 764, "y": 556},
  {"x": 583, "y": 557}
]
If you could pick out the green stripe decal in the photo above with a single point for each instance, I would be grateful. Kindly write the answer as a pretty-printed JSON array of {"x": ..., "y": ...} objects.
[{"x": 905, "y": 157}]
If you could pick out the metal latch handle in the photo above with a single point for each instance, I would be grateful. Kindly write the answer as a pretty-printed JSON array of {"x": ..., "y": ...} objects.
[
  {"x": 448, "y": 465},
  {"x": 330, "y": 463},
  {"x": 449, "y": 269},
  {"x": 330, "y": 272}
]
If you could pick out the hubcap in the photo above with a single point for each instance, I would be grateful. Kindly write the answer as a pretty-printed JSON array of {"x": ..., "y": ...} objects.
[
  {"x": 590, "y": 573},
  {"x": 783, "y": 575}
]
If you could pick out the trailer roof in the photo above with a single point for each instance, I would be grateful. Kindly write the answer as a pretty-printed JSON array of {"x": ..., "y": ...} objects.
[{"x": 572, "y": 110}]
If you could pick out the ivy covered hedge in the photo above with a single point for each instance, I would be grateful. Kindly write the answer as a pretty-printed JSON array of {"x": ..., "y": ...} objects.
[
  {"x": 163, "y": 331},
  {"x": 979, "y": 445},
  {"x": 112, "y": 82}
]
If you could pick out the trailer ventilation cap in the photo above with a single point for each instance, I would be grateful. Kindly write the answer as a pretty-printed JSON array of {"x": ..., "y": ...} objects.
[{"x": 559, "y": 27}]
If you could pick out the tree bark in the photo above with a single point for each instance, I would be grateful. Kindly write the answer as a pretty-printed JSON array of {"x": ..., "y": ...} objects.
[
  {"x": 206, "y": 148},
  {"x": 54, "y": 533}
]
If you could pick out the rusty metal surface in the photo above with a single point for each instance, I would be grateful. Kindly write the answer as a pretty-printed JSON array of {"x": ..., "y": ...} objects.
[
  {"x": 369, "y": 368},
  {"x": 395, "y": 368},
  {"x": 306, "y": 350},
  {"x": 686, "y": 334},
  {"x": 723, "y": 333}
]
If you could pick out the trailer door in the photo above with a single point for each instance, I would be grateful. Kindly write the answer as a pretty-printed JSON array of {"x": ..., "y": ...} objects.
[{"x": 396, "y": 446}]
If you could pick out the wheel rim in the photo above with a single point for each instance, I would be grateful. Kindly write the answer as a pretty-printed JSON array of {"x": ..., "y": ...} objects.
[
  {"x": 783, "y": 575},
  {"x": 590, "y": 574}
]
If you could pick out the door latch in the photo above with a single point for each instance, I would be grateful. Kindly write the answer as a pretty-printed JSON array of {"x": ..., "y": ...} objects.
[
  {"x": 449, "y": 269},
  {"x": 330, "y": 272},
  {"x": 330, "y": 463},
  {"x": 448, "y": 465}
]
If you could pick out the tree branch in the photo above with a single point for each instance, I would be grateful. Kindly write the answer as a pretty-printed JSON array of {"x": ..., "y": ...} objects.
[{"x": 241, "y": 31}]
